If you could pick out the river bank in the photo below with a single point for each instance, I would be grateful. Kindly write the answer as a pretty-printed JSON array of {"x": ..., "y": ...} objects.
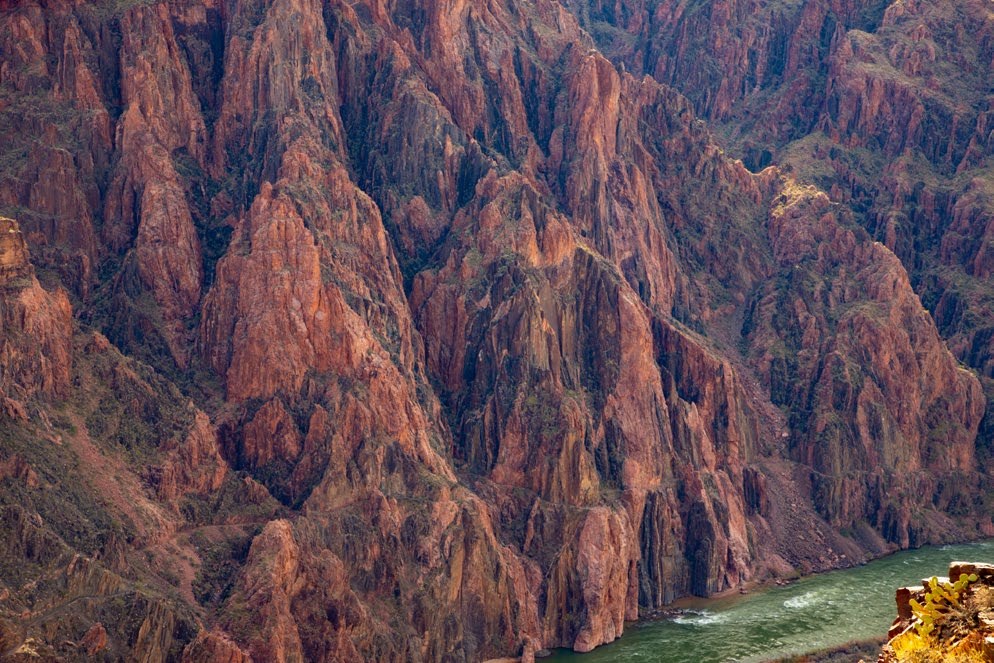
[
  {"x": 814, "y": 614},
  {"x": 851, "y": 652}
]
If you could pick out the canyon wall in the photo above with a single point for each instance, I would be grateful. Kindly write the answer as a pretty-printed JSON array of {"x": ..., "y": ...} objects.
[
  {"x": 422, "y": 331},
  {"x": 885, "y": 106}
]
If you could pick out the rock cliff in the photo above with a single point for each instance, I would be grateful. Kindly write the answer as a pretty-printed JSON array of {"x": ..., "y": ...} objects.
[
  {"x": 36, "y": 329},
  {"x": 883, "y": 105},
  {"x": 422, "y": 331}
]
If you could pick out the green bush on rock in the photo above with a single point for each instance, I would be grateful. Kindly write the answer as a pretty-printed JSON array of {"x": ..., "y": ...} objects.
[{"x": 942, "y": 599}]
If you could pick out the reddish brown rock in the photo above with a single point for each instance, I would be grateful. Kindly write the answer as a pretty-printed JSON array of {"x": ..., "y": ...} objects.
[
  {"x": 214, "y": 647},
  {"x": 270, "y": 586},
  {"x": 19, "y": 469},
  {"x": 280, "y": 284},
  {"x": 894, "y": 335},
  {"x": 95, "y": 640},
  {"x": 146, "y": 204},
  {"x": 601, "y": 565},
  {"x": 59, "y": 137},
  {"x": 982, "y": 570},
  {"x": 271, "y": 434},
  {"x": 15, "y": 263},
  {"x": 194, "y": 465},
  {"x": 884, "y": 107},
  {"x": 35, "y": 326}
]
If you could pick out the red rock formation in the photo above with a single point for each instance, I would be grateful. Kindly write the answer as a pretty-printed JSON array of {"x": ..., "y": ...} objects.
[
  {"x": 95, "y": 640},
  {"x": 274, "y": 571},
  {"x": 214, "y": 647},
  {"x": 59, "y": 137},
  {"x": 18, "y": 468},
  {"x": 146, "y": 206},
  {"x": 874, "y": 421},
  {"x": 885, "y": 106},
  {"x": 193, "y": 466},
  {"x": 496, "y": 336},
  {"x": 35, "y": 325}
]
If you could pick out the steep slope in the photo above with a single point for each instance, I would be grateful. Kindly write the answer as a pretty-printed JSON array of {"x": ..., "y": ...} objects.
[
  {"x": 883, "y": 105},
  {"x": 102, "y": 465},
  {"x": 444, "y": 339}
]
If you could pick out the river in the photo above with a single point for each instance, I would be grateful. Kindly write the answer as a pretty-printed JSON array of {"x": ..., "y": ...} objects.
[{"x": 814, "y": 613}]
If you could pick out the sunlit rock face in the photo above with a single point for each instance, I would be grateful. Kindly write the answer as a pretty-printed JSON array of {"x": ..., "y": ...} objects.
[
  {"x": 424, "y": 331},
  {"x": 37, "y": 328}
]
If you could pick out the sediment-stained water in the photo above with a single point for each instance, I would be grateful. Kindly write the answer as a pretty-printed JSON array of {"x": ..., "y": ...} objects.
[{"x": 814, "y": 613}]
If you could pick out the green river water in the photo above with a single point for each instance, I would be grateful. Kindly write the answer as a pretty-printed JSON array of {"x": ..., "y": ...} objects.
[{"x": 815, "y": 613}]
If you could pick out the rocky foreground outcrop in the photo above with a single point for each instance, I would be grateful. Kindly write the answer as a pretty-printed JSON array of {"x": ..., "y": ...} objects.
[
  {"x": 421, "y": 331},
  {"x": 953, "y": 622}
]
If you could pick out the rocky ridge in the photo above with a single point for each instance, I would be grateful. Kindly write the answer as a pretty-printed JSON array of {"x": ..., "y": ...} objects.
[{"x": 885, "y": 106}]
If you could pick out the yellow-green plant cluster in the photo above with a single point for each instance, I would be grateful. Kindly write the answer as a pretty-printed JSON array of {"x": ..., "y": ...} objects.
[
  {"x": 944, "y": 603},
  {"x": 941, "y": 599}
]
